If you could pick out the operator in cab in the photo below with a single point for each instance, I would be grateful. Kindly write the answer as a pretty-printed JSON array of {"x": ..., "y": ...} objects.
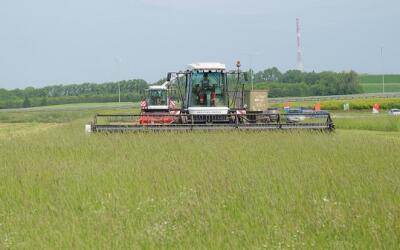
[{"x": 205, "y": 82}]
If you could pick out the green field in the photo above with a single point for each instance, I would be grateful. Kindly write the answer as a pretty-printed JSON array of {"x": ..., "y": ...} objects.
[
  {"x": 63, "y": 113},
  {"x": 355, "y": 104},
  {"x": 373, "y": 83},
  {"x": 60, "y": 188}
]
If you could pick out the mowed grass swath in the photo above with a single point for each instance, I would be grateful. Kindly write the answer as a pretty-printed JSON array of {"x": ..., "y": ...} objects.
[{"x": 217, "y": 190}]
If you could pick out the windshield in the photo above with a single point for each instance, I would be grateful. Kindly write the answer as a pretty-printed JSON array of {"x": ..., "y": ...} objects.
[
  {"x": 156, "y": 97},
  {"x": 208, "y": 89}
]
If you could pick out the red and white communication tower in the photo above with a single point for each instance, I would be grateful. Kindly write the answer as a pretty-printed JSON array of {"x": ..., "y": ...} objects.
[{"x": 299, "y": 59}]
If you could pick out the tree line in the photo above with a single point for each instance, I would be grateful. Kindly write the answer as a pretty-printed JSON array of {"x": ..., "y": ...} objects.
[
  {"x": 131, "y": 91},
  {"x": 280, "y": 84},
  {"x": 298, "y": 83}
]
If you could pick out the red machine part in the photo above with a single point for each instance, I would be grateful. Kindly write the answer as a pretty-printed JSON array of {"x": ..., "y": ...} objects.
[{"x": 155, "y": 119}]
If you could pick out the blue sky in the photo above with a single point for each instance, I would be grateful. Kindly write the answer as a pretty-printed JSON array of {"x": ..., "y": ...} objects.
[{"x": 46, "y": 42}]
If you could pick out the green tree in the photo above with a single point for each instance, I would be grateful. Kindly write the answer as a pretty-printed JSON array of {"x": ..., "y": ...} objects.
[
  {"x": 293, "y": 76},
  {"x": 43, "y": 102},
  {"x": 268, "y": 75},
  {"x": 27, "y": 102},
  {"x": 349, "y": 83},
  {"x": 311, "y": 78}
]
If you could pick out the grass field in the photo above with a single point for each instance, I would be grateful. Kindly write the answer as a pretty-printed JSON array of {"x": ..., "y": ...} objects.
[
  {"x": 337, "y": 105},
  {"x": 367, "y": 121},
  {"x": 60, "y": 188},
  {"x": 389, "y": 78},
  {"x": 373, "y": 83},
  {"x": 64, "y": 113}
]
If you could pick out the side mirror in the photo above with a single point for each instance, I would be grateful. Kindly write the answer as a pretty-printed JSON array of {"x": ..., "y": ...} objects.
[
  {"x": 169, "y": 77},
  {"x": 246, "y": 76}
]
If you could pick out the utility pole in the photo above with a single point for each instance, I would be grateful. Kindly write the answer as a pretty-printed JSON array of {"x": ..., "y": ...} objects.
[
  {"x": 119, "y": 93},
  {"x": 118, "y": 62},
  {"x": 251, "y": 72},
  {"x": 250, "y": 55},
  {"x": 383, "y": 71}
]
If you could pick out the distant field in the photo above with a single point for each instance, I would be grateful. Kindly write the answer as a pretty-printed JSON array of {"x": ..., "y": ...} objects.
[
  {"x": 76, "y": 106},
  {"x": 64, "y": 113},
  {"x": 378, "y": 79},
  {"x": 373, "y": 83},
  {"x": 337, "y": 105}
]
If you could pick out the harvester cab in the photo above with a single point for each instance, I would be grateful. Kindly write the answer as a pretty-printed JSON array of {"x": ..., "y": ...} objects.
[
  {"x": 206, "y": 88},
  {"x": 158, "y": 99}
]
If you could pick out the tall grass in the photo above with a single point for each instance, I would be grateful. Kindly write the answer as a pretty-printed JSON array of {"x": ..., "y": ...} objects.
[
  {"x": 217, "y": 190},
  {"x": 370, "y": 122}
]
